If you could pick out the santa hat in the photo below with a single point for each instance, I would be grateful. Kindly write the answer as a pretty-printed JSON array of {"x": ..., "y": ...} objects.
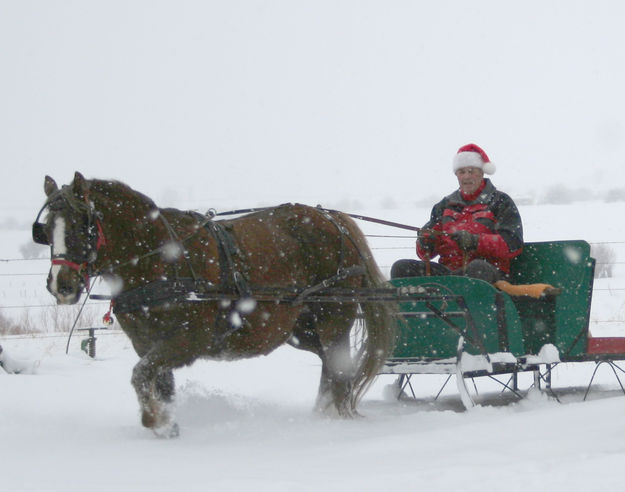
[{"x": 473, "y": 156}]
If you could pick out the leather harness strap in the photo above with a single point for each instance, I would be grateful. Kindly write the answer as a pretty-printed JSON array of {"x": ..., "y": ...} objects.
[{"x": 229, "y": 276}]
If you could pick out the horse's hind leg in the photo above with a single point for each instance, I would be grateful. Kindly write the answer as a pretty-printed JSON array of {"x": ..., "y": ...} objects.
[
  {"x": 154, "y": 384},
  {"x": 336, "y": 385},
  {"x": 336, "y": 393}
]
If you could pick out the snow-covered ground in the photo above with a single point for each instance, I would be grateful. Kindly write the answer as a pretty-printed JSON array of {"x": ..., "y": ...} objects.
[
  {"x": 72, "y": 423},
  {"x": 74, "y": 426}
]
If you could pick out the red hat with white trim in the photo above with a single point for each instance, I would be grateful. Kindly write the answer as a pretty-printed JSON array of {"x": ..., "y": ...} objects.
[{"x": 471, "y": 155}]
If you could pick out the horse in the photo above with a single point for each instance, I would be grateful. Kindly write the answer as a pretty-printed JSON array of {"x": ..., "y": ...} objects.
[{"x": 160, "y": 261}]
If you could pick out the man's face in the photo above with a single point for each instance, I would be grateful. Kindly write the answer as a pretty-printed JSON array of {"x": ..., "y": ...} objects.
[{"x": 469, "y": 179}]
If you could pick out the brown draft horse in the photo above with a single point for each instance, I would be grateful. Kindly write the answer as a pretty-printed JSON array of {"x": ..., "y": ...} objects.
[{"x": 98, "y": 227}]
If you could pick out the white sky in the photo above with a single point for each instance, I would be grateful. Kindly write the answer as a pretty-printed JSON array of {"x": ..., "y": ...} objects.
[{"x": 237, "y": 103}]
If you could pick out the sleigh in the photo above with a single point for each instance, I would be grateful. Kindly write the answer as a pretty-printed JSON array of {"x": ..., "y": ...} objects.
[{"x": 470, "y": 329}]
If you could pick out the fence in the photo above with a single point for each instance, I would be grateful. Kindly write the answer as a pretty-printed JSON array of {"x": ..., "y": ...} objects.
[{"x": 22, "y": 290}]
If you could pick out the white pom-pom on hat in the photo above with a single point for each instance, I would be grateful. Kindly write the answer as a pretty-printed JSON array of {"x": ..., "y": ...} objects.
[{"x": 472, "y": 155}]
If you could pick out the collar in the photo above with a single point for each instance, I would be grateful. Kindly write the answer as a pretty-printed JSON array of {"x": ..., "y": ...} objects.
[
  {"x": 484, "y": 195},
  {"x": 475, "y": 194}
]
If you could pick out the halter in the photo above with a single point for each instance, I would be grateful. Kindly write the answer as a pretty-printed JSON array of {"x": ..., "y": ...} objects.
[{"x": 95, "y": 233}]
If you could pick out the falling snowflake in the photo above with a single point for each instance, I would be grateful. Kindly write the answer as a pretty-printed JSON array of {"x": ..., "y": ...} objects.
[{"x": 171, "y": 251}]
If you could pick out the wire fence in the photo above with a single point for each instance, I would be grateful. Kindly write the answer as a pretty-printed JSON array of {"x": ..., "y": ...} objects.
[
  {"x": 410, "y": 251},
  {"x": 110, "y": 332}
]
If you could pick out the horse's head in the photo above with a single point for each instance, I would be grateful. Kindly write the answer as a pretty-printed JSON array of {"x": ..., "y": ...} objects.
[{"x": 72, "y": 230}]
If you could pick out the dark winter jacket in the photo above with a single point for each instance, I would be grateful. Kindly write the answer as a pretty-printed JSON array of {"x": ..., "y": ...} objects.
[{"x": 492, "y": 215}]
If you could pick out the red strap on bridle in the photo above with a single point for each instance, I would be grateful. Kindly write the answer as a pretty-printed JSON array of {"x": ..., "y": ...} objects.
[
  {"x": 81, "y": 268},
  {"x": 74, "y": 266}
]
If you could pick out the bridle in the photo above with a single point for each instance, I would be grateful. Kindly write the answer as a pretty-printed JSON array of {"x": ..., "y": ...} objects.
[{"x": 81, "y": 263}]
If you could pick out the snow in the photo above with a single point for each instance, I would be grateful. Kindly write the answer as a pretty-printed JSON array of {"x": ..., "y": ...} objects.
[
  {"x": 248, "y": 425},
  {"x": 171, "y": 251},
  {"x": 548, "y": 354}
]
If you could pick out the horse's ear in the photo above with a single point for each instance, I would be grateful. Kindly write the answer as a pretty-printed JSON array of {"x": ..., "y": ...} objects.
[
  {"x": 80, "y": 186},
  {"x": 49, "y": 186}
]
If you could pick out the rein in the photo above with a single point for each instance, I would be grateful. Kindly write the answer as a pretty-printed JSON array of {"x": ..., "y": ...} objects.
[
  {"x": 230, "y": 276},
  {"x": 380, "y": 221},
  {"x": 212, "y": 213},
  {"x": 224, "y": 246}
]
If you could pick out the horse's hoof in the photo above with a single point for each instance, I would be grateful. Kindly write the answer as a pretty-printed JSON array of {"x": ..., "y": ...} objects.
[{"x": 169, "y": 431}]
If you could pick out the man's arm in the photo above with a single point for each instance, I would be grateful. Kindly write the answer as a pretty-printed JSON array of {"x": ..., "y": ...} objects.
[{"x": 507, "y": 239}]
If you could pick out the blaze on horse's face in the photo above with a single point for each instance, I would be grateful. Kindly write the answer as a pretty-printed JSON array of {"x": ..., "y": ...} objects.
[{"x": 68, "y": 231}]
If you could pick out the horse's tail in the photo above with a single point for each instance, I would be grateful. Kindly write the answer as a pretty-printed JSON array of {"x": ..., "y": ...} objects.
[{"x": 378, "y": 340}]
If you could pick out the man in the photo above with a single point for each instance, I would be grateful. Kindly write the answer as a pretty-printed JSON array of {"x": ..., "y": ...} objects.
[{"x": 476, "y": 230}]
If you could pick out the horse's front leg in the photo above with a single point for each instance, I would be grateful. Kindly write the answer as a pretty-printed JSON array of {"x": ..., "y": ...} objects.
[{"x": 154, "y": 383}]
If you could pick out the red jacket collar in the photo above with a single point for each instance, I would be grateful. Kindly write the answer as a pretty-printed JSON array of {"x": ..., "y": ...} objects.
[{"x": 473, "y": 196}]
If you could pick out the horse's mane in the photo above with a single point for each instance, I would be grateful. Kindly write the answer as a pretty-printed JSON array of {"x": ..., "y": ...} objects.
[{"x": 115, "y": 192}]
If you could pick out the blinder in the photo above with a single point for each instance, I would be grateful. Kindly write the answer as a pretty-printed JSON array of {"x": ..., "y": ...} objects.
[{"x": 40, "y": 235}]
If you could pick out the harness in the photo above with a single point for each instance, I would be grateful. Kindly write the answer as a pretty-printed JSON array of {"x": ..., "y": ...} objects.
[
  {"x": 233, "y": 285},
  {"x": 229, "y": 276}
]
